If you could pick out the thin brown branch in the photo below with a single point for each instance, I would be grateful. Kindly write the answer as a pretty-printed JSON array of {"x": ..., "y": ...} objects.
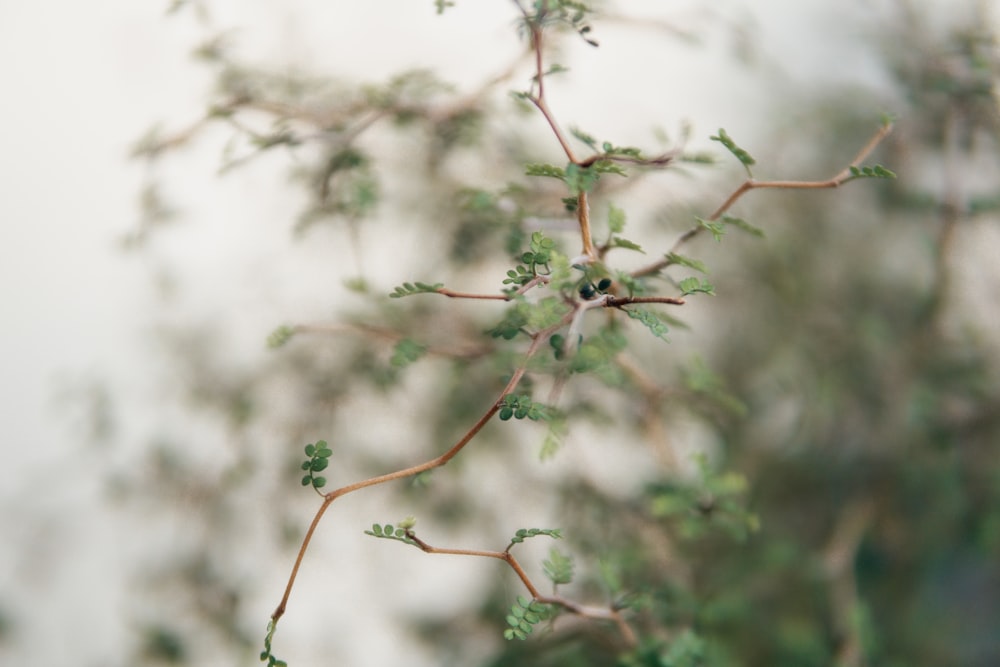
[
  {"x": 469, "y": 295},
  {"x": 619, "y": 301},
  {"x": 835, "y": 181},
  {"x": 538, "y": 340},
  {"x": 658, "y": 161},
  {"x": 599, "y": 613},
  {"x": 543, "y": 106},
  {"x": 507, "y": 296},
  {"x": 538, "y": 98},
  {"x": 749, "y": 184},
  {"x": 505, "y": 556},
  {"x": 583, "y": 217}
]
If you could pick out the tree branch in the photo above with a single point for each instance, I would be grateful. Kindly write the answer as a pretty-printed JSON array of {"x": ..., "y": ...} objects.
[
  {"x": 600, "y": 613},
  {"x": 749, "y": 184},
  {"x": 538, "y": 340}
]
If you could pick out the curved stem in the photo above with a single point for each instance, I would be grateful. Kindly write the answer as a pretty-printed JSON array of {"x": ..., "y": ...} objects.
[
  {"x": 538, "y": 340},
  {"x": 749, "y": 184},
  {"x": 605, "y": 613},
  {"x": 583, "y": 217}
]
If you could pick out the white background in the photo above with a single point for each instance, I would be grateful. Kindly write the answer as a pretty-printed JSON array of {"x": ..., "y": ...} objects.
[{"x": 82, "y": 81}]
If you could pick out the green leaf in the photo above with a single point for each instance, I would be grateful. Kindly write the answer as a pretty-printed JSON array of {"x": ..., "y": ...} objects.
[
  {"x": 878, "y": 171},
  {"x": 618, "y": 242},
  {"x": 718, "y": 229},
  {"x": 524, "y": 533},
  {"x": 635, "y": 286},
  {"x": 697, "y": 158},
  {"x": 616, "y": 219},
  {"x": 695, "y": 264},
  {"x": 744, "y": 157},
  {"x": 524, "y": 614},
  {"x": 513, "y": 322},
  {"x": 649, "y": 320},
  {"x": 555, "y": 68},
  {"x": 280, "y": 336},
  {"x": 584, "y": 137},
  {"x": 742, "y": 224},
  {"x": 630, "y": 151},
  {"x": 541, "y": 249},
  {"x": 693, "y": 285},
  {"x": 519, "y": 275},
  {"x": 441, "y": 5},
  {"x": 397, "y": 533},
  {"x": 319, "y": 459},
  {"x": 558, "y": 568},
  {"x": 541, "y": 169},
  {"x": 553, "y": 438},
  {"x": 266, "y": 654},
  {"x": 597, "y": 354},
  {"x": 521, "y": 406},
  {"x": 580, "y": 179},
  {"x": 409, "y": 289},
  {"x": 608, "y": 167},
  {"x": 405, "y": 352}
]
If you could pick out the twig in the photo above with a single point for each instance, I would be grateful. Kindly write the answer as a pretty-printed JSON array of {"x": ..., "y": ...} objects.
[
  {"x": 468, "y": 295},
  {"x": 504, "y": 555},
  {"x": 538, "y": 99},
  {"x": 600, "y": 613},
  {"x": 538, "y": 340},
  {"x": 749, "y": 184},
  {"x": 658, "y": 161},
  {"x": 619, "y": 301},
  {"x": 583, "y": 217}
]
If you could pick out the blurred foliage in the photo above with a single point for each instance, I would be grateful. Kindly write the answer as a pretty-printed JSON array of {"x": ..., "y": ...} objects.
[{"x": 846, "y": 509}]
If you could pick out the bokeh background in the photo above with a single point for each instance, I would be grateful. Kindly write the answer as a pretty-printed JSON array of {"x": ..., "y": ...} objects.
[{"x": 149, "y": 498}]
